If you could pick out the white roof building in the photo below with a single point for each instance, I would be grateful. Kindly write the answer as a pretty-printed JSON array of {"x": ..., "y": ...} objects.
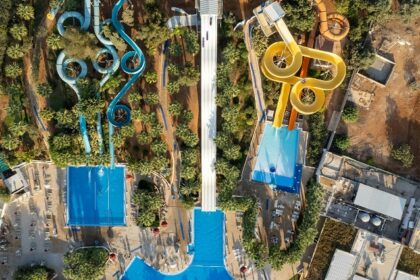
[
  {"x": 379, "y": 201},
  {"x": 341, "y": 266},
  {"x": 16, "y": 182},
  {"x": 405, "y": 276}
]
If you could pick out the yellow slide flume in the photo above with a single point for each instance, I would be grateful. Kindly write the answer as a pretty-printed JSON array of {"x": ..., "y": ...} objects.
[{"x": 292, "y": 54}]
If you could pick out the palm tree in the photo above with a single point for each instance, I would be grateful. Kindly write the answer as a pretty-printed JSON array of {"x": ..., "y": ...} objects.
[
  {"x": 25, "y": 12},
  {"x": 54, "y": 42},
  {"x": 9, "y": 142},
  {"x": 12, "y": 70},
  {"x": 44, "y": 89},
  {"x": 18, "y": 31},
  {"x": 47, "y": 114},
  {"x": 15, "y": 51},
  {"x": 18, "y": 129}
]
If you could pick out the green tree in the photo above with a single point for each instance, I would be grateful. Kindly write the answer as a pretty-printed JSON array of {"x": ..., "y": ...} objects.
[
  {"x": 175, "y": 109},
  {"x": 66, "y": 118},
  {"x": 159, "y": 147},
  {"x": 10, "y": 142},
  {"x": 173, "y": 87},
  {"x": 259, "y": 42},
  {"x": 87, "y": 263},
  {"x": 113, "y": 84},
  {"x": 151, "y": 77},
  {"x": 44, "y": 89},
  {"x": 144, "y": 138},
  {"x": 233, "y": 152},
  {"x": 37, "y": 272},
  {"x": 188, "y": 172},
  {"x": 403, "y": 153},
  {"x": 299, "y": 15},
  {"x": 15, "y": 51},
  {"x": 191, "y": 41},
  {"x": 62, "y": 141},
  {"x": 18, "y": 129},
  {"x": 13, "y": 70},
  {"x": 152, "y": 98},
  {"x": 47, "y": 114},
  {"x": 116, "y": 40},
  {"x": 54, "y": 42},
  {"x": 18, "y": 31},
  {"x": 342, "y": 142},
  {"x": 153, "y": 35},
  {"x": 79, "y": 44},
  {"x": 128, "y": 17},
  {"x": 350, "y": 113},
  {"x": 25, "y": 12},
  {"x": 175, "y": 49}
]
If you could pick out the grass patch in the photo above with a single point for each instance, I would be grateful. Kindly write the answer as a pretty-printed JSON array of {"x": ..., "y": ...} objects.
[
  {"x": 409, "y": 262},
  {"x": 334, "y": 236}
]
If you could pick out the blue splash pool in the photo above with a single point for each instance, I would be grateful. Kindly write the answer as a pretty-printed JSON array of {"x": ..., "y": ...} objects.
[
  {"x": 277, "y": 159},
  {"x": 208, "y": 253},
  {"x": 95, "y": 196}
]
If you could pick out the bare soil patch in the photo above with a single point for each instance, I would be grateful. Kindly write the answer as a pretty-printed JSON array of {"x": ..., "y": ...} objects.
[{"x": 393, "y": 117}]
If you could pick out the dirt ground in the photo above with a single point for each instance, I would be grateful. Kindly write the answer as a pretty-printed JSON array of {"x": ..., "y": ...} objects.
[{"x": 393, "y": 117}]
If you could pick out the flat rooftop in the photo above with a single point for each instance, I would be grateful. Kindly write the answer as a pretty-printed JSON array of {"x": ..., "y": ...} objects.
[{"x": 95, "y": 196}]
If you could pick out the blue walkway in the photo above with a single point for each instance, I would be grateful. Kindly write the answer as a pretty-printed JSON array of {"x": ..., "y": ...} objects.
[{"x": 208, "y": 258}]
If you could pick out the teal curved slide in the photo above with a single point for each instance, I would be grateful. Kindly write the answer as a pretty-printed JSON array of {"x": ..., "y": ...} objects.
[
  {"x": 135, "y": 73},
  {"x": 62, "y": 63}
]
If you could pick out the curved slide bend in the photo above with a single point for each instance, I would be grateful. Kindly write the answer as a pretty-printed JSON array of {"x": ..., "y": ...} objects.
[
  {"x": 108, "y": 71},
  {"x": 62, "y": 63},
  {"x": 292, "y": 84},
  {"x": 334, "y": 26},
  {"x": 135, "y": 73}
]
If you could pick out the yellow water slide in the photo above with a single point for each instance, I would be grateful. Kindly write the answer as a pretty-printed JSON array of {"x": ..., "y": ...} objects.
[
  {"x": 280, "y": 63},
  {"x": 334, "y": 26}
]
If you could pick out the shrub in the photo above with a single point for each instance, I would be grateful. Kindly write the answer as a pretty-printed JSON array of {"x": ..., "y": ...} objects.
[
  {"x": 342, "y": 142},
  {"x": 409, "y": 262},
  {"x": 350, "y": 113},
  {"x": 88, "y": 263},
  {"x": 403, "y": 154},
  {"x": 31, "y": 273}
]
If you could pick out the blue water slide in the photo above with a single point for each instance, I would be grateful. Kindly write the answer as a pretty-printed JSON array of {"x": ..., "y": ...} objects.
[
  {"x": 107, "y": 71},
  {"x": 62, "y": 63},
  {"x": 114, "y": 109}
]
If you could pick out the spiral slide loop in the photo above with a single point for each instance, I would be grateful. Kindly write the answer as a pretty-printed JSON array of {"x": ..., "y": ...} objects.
[
  {"x": 63, "y": 63},
  {"x": 136, "y": 72},
  {"x": 282, "y": 61}
]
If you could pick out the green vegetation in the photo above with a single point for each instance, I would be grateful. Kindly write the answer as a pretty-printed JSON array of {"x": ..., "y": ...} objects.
[
  {"x": 317, "y": 137},
  {"x": 306, "y": 230},
  {"x": 342, "y": 142},
  {"x": 409, "y": 262},
  {"x": 259, "y": 42},
  {"x": 236, "y": 104},
  {"x": 37, "y": 272},
  {"x": 79, "y": 44},
  {"x": 335, "y": 235},
  {"x": 149, "y": 201},
  {"x": 350, "y": 113},
  {"x": 86, "y": 263},
  {"x": 403, "y": 153},
  {"x": 154, "y": 30},
  {"x": 299, "y": 15},
  {"x": 4, "y": 194}
]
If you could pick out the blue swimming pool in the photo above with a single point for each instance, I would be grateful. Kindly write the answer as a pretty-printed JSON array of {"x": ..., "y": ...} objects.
[
  {"x": 95, "y": 196},
  {"x": 277, "y": 159},
  {"x": 208, "y": 253}
]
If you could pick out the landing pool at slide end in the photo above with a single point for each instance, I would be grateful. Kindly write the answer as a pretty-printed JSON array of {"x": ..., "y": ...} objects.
[
  {"x": 208, "y": 253},
  {"x": 276, "y": 162},
  {"x": 95, "y": 196}
]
